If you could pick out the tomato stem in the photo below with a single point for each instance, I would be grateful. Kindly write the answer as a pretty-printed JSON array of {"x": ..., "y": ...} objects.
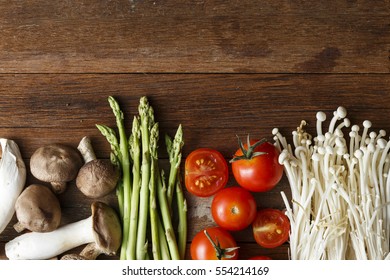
[
  {"x": 248, "y": 153},
  {"x": 221, "y": 252}
]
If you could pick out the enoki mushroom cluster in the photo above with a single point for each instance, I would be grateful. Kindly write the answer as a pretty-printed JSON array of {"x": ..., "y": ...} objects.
[{"x": 340, "y": 188}]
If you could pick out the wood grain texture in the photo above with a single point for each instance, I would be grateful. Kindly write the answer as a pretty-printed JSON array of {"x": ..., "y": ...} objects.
[
  {"x": 39, "y": 109},
  {"x": 195, "y": 36}
]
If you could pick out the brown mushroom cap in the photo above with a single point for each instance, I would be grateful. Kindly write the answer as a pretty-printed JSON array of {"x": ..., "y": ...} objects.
[
  {"x": 106, "y": 227},
  {"x": 57, "y": 164},
  {"x": 37, "y": 209},
  {"x": 97, "y": 178}
]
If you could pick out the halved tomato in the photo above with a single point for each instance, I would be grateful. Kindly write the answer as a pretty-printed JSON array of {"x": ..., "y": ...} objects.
[
  {"x": 271, "y": 228},
  {"x": 206, "y": 172}
]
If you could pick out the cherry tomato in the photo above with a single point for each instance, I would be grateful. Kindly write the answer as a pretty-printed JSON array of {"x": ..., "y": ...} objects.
[
  {"x": 206, "y": 172},
  {"x": 260, "y": 258},
  {"x": 233, "y": 208},
  {"x": 257, "y": 172},
  {"x": 224, "y": 248},
  {"x": 271, "y": 228}
]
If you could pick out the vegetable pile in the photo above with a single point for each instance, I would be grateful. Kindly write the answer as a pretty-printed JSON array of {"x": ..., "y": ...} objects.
[
  {"x": 340, "y": 187},
  {"x": 256, "y": 168},
  {"x": 145, "y": 196},
  {"x": 101, "y": 231},
  {"x": 38, "y": 210},
  {"x": 339, "y": 209}
]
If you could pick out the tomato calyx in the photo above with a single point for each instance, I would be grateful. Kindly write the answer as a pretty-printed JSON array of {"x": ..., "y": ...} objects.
[
  {"x": 221, "y": 252},
  {"x": 248, "y": 153}
]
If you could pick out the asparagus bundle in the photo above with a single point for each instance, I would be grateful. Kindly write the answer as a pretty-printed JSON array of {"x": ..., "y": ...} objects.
[{"x": 145, "y": 199}]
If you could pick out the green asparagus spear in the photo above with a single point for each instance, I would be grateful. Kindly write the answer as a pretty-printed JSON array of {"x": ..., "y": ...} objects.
[
  {"x": 124, "y": 159},
  {"x": 142, "y": 192},
  {"x": 182, "y": 226},
  {"x": 146, "y": 122},
  {"x": 166, "y": 218},
  {"x": 135, "y": 151},
  {"x": 153, "y": 197},
  {"x": 174, "y": 183},
  {"x": 165, "y": 255},
  {"x": 111, "y": 137},
  {"x": 174, "y": 152}
]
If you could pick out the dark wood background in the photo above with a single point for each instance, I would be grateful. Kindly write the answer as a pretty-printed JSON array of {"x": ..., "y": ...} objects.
[{"x": 219, "y": 68}]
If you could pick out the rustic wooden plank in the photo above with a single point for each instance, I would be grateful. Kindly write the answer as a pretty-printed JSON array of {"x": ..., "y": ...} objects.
[
  {"x": 74, "y": 101},
  {"x": 195, "y": 36},
  {"x": 40, "y": 109}
]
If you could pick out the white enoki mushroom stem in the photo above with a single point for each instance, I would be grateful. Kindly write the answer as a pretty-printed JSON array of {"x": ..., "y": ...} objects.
[
  {"x": 86, "y": 149},
  {"x": 340, "y": 191},
  {"x": 41, "y": 246}
]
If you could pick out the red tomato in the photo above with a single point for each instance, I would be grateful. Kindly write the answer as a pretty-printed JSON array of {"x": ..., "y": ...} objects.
[
  {"x": 233, "y": 208},
  {"x": 224, "y": 247},
  {"x": 260, "y": 258},
  {"x": 206, "y": 172},
  {"x": 257, "y": 173},
  {"x": 271, "y": 228}
]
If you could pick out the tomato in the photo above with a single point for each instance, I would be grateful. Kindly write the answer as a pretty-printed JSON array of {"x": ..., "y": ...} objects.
[
  {"x": 260, "y": 258},
  {"x": 233, "y": 208},
  {"x": 257, "y": 172},
  {"x": 206, "y": 172},
  {"x": 271, "y": 228},
  {"x": 224, "y": 247}
]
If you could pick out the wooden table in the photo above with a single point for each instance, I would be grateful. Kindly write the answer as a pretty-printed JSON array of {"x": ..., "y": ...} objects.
[{"x": 219, "y": 68}]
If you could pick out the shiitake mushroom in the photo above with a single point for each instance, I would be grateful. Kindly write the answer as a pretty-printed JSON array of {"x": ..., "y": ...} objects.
[
  {"x": 56, "y": 164},
  {"x": 97, "y": 177},
  {"x": 37, "y": 209}
]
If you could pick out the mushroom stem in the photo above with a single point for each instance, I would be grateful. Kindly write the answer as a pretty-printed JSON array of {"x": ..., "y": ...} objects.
[
  {"x": 58, "y": 187},
  {"x": 321, "y": 117},
  {"x": 37, "y": 245},
  {"x": 72, "y": 257},
  {"x": 19, "y": 227},
  {"x": 91, "y": 251},
  {"x": 86, "y": 149}
]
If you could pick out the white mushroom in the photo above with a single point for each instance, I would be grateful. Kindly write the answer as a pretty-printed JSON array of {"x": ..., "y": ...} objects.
[
  {"x": 102, "y": 229},
  {"x": 340, "y": 191},
  {"x": 12, "y": 180}
]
